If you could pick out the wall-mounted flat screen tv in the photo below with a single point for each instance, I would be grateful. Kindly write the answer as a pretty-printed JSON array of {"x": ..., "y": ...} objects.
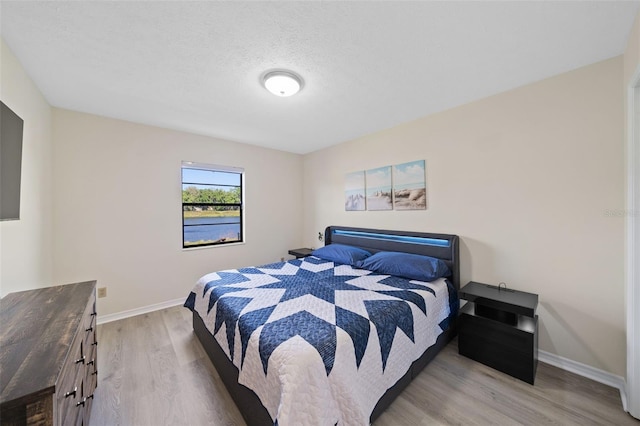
[{"x": 10, "y": 163}]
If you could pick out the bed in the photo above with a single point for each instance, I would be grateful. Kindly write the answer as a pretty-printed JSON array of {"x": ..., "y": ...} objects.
[{"x": 323, "y": 340}]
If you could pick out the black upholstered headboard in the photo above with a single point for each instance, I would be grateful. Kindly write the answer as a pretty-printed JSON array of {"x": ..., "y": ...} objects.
[{"x": 441, "y": 246}]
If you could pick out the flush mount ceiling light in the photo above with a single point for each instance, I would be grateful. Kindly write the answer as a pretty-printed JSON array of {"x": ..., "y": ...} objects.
[{"x": 282, "y": 83}]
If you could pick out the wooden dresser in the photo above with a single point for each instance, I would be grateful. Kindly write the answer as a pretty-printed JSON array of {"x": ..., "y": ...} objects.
[{"x": 48, "y": 355}]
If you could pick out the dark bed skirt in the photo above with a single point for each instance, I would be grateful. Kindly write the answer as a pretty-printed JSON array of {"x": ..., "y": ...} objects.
[{"x": 248, "y": 402}]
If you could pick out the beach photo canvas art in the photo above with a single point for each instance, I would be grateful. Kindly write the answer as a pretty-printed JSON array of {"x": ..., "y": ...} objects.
[
  {"x": 409, "y": 186},
  {"x": 379, "y": 188},
  {"x": 354, "y": 192}
]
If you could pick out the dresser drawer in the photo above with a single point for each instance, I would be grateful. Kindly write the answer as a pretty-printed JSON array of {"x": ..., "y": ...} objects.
[
  {"x": 89, "y": 323},
  {"x": 69, "y": 388},
  {"x": 89, "y": 389},
  {"x": 91, "y": 371},
  {"x": 69, "y": 413},
  {"x": 90, "y": 347}
]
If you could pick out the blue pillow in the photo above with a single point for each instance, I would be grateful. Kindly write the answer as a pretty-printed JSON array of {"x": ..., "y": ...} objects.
[
  {"x": 406, "y": 265},
  {"x": 341, "y": 253}
]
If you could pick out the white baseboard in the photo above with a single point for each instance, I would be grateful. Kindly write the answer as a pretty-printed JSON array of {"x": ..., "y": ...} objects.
[
  {"x": 138, "y": 311},
  {"x": 587, "y": 371}
]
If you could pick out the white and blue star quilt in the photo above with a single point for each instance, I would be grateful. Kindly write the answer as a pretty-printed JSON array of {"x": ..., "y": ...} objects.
[{"x": 320, "y": 342}]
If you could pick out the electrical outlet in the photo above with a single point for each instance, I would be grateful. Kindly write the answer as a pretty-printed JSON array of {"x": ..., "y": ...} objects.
[{"x": 102, "y": 292}]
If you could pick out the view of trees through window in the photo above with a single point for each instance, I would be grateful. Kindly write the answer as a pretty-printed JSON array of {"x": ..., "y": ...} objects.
[{"x": 211, "y": 206}]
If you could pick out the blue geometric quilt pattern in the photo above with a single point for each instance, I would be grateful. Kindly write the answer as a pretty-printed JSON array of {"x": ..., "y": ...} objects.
[{"x": 312, "y": 277}]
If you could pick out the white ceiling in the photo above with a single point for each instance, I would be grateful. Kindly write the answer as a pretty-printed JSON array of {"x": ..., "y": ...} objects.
[{"x": 367, "y": 66}]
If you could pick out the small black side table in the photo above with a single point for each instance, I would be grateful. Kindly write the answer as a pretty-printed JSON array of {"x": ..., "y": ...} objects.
[
  {"x": 300, "y": 252},
  {"x": 499, "y": 328}
]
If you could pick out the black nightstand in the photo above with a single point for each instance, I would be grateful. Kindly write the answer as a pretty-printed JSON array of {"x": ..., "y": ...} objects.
[
  {"x": 499, "y": 328},
  {"x": 300, "y": 252}
]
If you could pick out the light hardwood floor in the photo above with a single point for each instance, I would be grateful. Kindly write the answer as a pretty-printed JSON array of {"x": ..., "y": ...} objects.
[{"x": 153, "y": 371}]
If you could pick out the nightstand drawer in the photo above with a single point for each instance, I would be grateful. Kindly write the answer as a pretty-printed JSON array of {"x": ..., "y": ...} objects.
[
  {"x": 495, "y": 332},
  {"x": 501, "y": 357}
]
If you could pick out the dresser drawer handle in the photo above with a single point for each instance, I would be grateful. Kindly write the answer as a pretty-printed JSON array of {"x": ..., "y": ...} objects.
[
  {"x": 71, "y": 393},
  {"x": 89, "y": 329},
  {"x": 81, "y": 360},
  {"x": 94, "y": 344},
  {"x": 79, "y": 403},
  {"x": 91, "y": 362},
  {"x": 93, "y": 314},
  {"x": 94, "y": 373}
]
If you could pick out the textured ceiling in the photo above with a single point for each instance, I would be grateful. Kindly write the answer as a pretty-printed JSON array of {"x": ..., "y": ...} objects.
[{"x": 367, "y": 66}]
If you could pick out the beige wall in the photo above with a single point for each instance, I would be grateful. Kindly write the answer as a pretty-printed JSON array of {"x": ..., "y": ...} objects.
[
  {"x": 118, "y": 216},
  {"x": 26, "y": 259},
  {"x": 527, "y": 178}
]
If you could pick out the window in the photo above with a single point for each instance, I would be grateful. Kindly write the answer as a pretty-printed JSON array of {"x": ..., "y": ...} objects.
[{"x": 211, "y": 205}]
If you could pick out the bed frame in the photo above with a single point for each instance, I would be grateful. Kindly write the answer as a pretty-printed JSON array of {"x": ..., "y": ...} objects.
[{"x": 442, "y": 246}]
